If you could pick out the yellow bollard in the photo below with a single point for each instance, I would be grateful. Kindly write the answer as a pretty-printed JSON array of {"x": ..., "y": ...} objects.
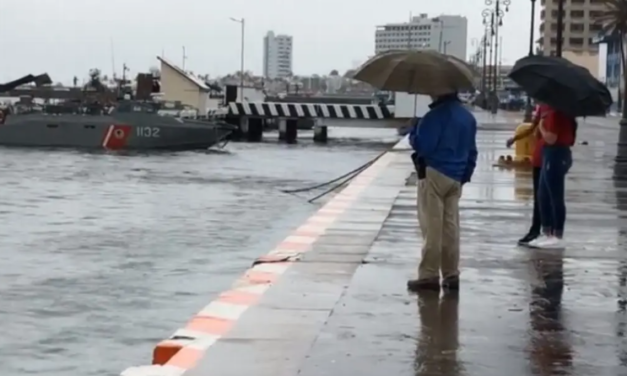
[{"x": 524, "y": 148}]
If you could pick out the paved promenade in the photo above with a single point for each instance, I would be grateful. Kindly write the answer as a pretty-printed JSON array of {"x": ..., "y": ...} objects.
[{"x": 331, "y": 299}]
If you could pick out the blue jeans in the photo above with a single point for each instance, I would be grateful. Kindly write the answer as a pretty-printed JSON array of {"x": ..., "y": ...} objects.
[{"x": 556, "y": 161}]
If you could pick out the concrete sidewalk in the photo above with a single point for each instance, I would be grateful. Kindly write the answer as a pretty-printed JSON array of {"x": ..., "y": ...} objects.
[{"x": 340, "y": 307}]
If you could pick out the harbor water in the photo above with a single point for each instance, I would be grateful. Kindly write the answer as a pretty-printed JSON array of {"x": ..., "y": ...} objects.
[{"x": 104, "y": 255}]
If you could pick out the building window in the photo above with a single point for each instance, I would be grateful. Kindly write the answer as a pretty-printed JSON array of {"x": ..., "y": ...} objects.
[
  {"x": 577, "y": 27},
  {"x": 554, "y": 26},
  {"x": 576, "y": 13},
  {"x": 554, "y": 13},
  {"x": 576, "y": 41}
]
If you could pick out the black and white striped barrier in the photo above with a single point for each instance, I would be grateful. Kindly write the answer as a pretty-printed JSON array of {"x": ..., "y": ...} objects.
[{"x": 310, "y": 110}]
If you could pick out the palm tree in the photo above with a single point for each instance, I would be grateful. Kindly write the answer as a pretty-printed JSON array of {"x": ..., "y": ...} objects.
[{"x": 614, "y": 21}]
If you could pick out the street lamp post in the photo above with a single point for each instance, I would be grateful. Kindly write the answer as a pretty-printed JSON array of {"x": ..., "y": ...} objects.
[
  {"x": 495, "y": 13},
  {"x": 560, "y": 27},
  {"x": 484, "y": 56},
  {"x": 488, "y": 22},
  {"x": 241, "y": 21},
  {"x": 441, "y": 35},
  {"x": 528, "y": 107}
]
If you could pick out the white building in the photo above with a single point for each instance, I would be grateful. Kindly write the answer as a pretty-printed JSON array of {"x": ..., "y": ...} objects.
[
  {"x": 447, "y": 34},
  {"x": 277, "y": 55}
]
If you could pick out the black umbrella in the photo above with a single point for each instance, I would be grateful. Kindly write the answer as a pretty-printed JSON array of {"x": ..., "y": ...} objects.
[{"x": 562, "y": 85}]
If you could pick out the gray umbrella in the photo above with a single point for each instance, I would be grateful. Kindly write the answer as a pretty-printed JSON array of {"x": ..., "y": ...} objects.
[{"x": 417, "y": 72}]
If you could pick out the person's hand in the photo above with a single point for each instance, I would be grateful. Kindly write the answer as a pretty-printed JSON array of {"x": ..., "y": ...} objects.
[{"x": 510, "y": 142}]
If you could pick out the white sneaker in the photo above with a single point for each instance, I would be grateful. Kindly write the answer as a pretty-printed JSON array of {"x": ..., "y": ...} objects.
[
  {"x": 537, "y": 242},
  {"x": 553, "y": 243}
]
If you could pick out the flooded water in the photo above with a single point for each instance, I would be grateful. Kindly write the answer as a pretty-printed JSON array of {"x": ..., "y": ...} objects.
[{"x": 104, "y": 255}]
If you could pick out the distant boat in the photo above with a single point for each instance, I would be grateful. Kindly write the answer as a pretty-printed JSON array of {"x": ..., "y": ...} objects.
[{"x": 127, "y": 125}]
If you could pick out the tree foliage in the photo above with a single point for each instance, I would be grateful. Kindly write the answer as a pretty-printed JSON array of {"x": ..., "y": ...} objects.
[
  {"x": 614, "y": 24},
  {"x": 614, "y": 18}
]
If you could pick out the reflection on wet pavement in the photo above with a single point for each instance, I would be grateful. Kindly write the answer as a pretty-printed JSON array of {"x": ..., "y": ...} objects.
[
  {"x": 519, "y": 311},
  {"x": 549, "y": 345},
  {"x": 438, "y": 341},
  {"x": 102, "y": 256}
]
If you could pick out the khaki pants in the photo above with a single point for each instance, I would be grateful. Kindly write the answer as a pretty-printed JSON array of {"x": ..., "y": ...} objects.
[{"x": 438, "y": 215}]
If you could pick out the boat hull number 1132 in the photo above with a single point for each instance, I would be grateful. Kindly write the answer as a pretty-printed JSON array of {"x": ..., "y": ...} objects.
[{"x": 149, "y": 132}]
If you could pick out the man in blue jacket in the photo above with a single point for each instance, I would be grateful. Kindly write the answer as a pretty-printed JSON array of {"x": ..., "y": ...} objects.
[{"x": 445, "y": 158}]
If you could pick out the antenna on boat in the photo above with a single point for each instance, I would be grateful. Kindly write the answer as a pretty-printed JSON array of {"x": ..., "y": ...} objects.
[
  {"x": 112, "y": 59},
  {"x": 124, "y": 70}
]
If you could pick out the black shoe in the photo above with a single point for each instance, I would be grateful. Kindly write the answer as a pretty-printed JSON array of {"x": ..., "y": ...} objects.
[
  {"x": 525, "y": 240},
  {"x": 451, "y": 283},
  {"x": 416, "y": 285}
]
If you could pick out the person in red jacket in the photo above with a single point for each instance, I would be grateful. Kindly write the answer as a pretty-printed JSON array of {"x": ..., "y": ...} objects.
[
  {"x": 536, "y": 162},
  {"x": 559, "y": 132}
]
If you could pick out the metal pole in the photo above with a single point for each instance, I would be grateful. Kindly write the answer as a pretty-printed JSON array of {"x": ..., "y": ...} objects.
[
  {"x": 560, "y": 26},
  {"x": 487, "y": 43},
  {"x": 485, "y": 67},
  {"x": 441, "y": 35},
  {"x": 242, "y": 61},
  {"x": 497, "y": 21},
  {"x": 532, "y": 27},
  {"x": 241, "y": 21},
  {"x": 528, "y": 106},
  {"x": 490, "y": 63}
]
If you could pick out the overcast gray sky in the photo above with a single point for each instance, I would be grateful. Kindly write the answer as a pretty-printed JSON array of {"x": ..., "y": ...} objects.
[{"x": 68, "y": 37}]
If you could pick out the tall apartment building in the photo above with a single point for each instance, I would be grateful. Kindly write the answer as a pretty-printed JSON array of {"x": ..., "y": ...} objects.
[
  {"x": 277, "y": 55},
  {"x": 580, "y": 28},
  {"x": 447, "y": 34}
]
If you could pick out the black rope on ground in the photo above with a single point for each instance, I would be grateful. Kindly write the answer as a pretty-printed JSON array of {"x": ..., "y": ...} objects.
[
  {"x": 343, "y": 183},
  {"x": 355, "y": 171},
  {"x": 343, "y": 180}
]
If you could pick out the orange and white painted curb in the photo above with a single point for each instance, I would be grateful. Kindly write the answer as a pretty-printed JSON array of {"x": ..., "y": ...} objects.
[{"x": 182, "y": 351}]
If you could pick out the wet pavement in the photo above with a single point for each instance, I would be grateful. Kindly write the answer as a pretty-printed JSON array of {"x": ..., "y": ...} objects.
[
  {"x": 104, "y": 255},
  {"x": 343, "y": 308}
]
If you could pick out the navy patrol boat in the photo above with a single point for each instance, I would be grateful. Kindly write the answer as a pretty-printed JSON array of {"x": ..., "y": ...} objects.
[{"x": 104, "y": 124}]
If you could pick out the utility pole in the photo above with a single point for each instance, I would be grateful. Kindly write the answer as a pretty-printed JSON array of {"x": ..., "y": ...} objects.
[
  {"x": 241, "y": 21},
  {"x": 441, "y": 35},
  {"x": 184, "y": 58}
]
